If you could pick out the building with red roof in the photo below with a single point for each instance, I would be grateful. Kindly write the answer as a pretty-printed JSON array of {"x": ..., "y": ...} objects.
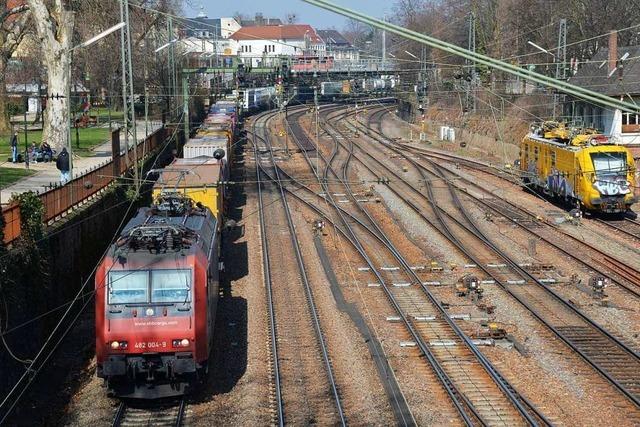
[{"x": 258, "y": 45}]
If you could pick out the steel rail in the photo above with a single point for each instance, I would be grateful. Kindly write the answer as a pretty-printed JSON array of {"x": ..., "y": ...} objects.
[
  {"x": 628, "y": 274},
  {"x": 396, "y": 254},
  {"x": 117, "y": 419},
  {"x": 447, "y": 383},
  {"x": 121, "y": 413},
  {"x": 266, "y": 266},
  {"x": 306, "y": 284},
  {"x": 328, "y": 219},
  {"x": 500, "y": 381},
  {"x": 620, "y": 228},
  {"x": 520, "y": 270}
]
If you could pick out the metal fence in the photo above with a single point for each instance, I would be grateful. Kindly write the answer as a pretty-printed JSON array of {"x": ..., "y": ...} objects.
[{"x": 60, "y": 199}]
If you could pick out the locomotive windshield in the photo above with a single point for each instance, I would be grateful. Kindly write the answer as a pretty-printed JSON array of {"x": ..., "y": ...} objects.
[
  {"x": 170, "y": 285},
  {"x": 609, "y": 164},
  {"x": 149, "y": 287},
  {"x": 128, "y": 287}
]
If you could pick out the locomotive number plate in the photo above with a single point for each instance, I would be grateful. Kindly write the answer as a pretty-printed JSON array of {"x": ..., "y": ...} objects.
[{"x": 152, "y": 344}]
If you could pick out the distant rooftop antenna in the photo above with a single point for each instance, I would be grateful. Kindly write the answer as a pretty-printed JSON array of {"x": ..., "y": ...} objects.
[{"x": 202, "y": 14}]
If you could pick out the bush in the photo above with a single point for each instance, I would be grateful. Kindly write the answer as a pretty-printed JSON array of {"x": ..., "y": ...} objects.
[{"x": 15, "y": 108}]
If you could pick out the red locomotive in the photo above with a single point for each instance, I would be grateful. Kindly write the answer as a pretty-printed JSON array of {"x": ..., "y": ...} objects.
[{"x": 156, "y": 297}]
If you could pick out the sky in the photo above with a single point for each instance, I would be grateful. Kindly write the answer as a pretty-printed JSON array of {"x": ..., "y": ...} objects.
[{"x": 307, "y": 14}]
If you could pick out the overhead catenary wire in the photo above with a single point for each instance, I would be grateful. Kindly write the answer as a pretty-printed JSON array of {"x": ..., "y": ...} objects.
[
  {"x": 479, "y": 58},
  {"x": 8, "y": 404}
]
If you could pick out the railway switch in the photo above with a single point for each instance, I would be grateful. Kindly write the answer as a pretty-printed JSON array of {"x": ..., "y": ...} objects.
[
  {"x": 318, "y": 226},
  {"x": 469, "y": 286},
  {"x": 598, "y": 285}
]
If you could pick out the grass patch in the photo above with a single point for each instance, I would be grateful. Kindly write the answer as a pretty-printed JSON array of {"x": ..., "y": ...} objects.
[
  {"x": 10, "y": 175},
  {"x": 88, "y": 138},
  {"x": 103, "y": 114}
]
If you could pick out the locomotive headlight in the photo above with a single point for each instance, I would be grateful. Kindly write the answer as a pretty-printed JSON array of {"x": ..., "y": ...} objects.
[
  {"x": 181, "y": 342},
  {"x": 118, "y": 345}
]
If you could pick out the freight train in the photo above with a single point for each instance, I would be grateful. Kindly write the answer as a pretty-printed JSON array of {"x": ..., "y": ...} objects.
[
  {"x": 156, "y": 298},
  {"x": 255, "y": 99},
  {"x": 157, "y": 287},
  {"x": 578, "y": 166},
  {"x": 330, "y": 90}
]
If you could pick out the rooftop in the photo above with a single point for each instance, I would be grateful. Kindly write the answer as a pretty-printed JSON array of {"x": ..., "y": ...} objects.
[
  {"x": 259, "y": 21},
  {"x": 625, "y": 80},
  {"x": 277, "y": 32},
  {"x": 333, "y": 38},
  {"x": 202, "y": 23}
]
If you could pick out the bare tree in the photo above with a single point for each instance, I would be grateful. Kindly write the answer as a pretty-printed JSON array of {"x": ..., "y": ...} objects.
[
  {"x": 13, "y": 27},
  {"x": 291, "y": 18},
  {"x": 54, "y": 25},
  {"x": 358, "y": 33}
]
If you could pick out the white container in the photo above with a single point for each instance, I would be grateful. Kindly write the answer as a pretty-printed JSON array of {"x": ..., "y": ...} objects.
[
  {"x": 203, "y": 147},
  {"x": 444, "y": 132},
  {"x": 451, "y": 134}
]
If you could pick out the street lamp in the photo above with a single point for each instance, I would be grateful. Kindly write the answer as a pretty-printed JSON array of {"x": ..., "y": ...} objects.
[
  {"x": 541, "y": 49},
  {"x": 166, "y": 45},
  {"x": 410, "y": 54},
  {"x": 69, "y": 51}
]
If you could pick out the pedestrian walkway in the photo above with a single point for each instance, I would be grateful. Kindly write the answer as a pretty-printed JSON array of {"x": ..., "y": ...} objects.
[{"x": 48, "y": 175}]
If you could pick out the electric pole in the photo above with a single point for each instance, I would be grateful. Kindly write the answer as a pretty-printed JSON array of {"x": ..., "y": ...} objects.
[
  {"x": 172, "y": 69},
  {"x": 384, "y": 45},
  {"x": 129, "y": 118},
  {"x": 561, "y": 64},
  {"x": 471, "y": 78},
  {"x": 315, "y": 101},
  {"x": 422, "y": 92}
]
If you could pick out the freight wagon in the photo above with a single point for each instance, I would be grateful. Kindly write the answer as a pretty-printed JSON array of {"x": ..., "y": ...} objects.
[{"x": 201, "y": 179}]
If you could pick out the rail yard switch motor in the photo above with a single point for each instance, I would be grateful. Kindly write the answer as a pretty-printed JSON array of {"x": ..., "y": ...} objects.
[
  {"x": 598, "y": 285},
  {"x": 469, "y": 286},
  {"x": 318, "y": 226}
]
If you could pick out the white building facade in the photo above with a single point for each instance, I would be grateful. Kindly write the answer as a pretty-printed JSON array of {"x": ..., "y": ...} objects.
[{"x": 263, "y": 46}]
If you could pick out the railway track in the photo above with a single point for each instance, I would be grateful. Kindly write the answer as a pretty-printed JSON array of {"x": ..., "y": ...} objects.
[
  {"x": 316, "y": 406},
  {"x": 610, "y": 357},
  {"x": 150, "y": 414},
  {"x": 477, "y": 390},
  {"x": 621, "y": 274},
  {"x": 626, "y": 226}
]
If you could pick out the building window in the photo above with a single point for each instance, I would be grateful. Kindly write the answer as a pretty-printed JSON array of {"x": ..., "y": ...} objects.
[
  {"x": 629, "y": 119},
  {"x": 630, "y": 123}
]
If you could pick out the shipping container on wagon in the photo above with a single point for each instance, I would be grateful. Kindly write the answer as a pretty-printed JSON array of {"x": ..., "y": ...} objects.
[
  {"x": 330, "y": 88},
  {"x": 346, "y": 87},
  {"x": 201, "y": 179}
]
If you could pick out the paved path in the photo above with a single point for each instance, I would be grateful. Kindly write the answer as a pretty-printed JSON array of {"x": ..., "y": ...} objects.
[{"x": 47, "y": 174}]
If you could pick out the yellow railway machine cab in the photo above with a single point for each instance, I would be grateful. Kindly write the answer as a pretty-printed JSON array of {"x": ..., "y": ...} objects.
[
  {"x": 579, "y": 166},
  {"x": 201, "y": 179}
]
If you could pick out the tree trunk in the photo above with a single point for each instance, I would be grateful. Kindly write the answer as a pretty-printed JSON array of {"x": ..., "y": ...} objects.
[
  {"x": 56, "y": 119},
  {"x": 5, "y": 124},
  {"x": 54, "y": 25}
]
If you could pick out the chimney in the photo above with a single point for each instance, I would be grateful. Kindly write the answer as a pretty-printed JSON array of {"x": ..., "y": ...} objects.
[{"x": 613, "y": 50}]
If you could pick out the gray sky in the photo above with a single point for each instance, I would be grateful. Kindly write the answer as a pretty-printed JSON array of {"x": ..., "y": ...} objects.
[{"x": 308, "y": 14}]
